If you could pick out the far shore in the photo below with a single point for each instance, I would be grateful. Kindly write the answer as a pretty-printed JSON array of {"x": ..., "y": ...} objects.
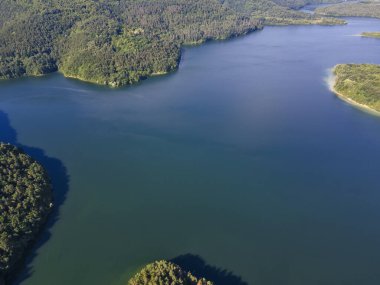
[{"x": 331, "y": 80}]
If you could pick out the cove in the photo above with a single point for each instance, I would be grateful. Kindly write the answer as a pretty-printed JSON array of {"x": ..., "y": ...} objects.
[{"x": 242, "y": 160}]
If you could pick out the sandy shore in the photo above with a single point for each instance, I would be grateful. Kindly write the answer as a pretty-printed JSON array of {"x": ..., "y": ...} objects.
[{"x": 331, "y": 80}]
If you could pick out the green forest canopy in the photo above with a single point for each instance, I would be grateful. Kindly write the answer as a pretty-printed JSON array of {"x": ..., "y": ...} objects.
[
  {"x": 118, "y": 42},
  {"x": 25, "y": 201},
  {"x": 362, "y": 9},
  {"x": 164, "y": 273},
  {"x": 360, "y": 83}
]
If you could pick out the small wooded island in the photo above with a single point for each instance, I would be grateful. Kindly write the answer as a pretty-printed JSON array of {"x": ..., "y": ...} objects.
[
  {"x": 25, "y": 202},
  {"x": 165, "y": 272},
  {"x": 358, "y": 84},
  {"x": 371, "y": 35}
]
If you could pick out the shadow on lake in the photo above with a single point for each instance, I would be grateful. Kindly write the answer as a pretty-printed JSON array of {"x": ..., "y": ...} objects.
[
  {"x": 198, "y": 267},
  {"x": 60, "y": 181}
]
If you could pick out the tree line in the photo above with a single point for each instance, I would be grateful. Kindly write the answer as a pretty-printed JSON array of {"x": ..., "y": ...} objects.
[
  {"x": 25, "y": 202},
  {"x": 118, "y": 42}
]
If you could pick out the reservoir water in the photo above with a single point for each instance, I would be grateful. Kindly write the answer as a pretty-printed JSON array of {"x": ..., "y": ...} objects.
[{"x": 241, "y": 166}]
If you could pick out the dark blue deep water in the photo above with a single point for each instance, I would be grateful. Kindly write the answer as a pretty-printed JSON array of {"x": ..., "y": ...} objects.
[{"x": 242, "y": 166}]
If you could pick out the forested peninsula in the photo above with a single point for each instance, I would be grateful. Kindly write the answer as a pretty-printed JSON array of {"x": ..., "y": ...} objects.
[
  {"x": 361, "y": 9},
  {"x": 371, "y": 35},
  {"x": 358, "y": 84},
  {"x": 121, "y": 42},
  {"x": 165, "y": 272},
  {"x": 25, "y": 202}
]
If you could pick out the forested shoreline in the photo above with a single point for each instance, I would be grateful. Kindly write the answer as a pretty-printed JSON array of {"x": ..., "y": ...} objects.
[
  {"x": 117, "y": 43},
  {"x": 371, "y": 35},
  {"x": 25, "y": 202},
  {"x": 359, "y": 84},
  {"x": 166, "y": 272},
  {"x": 361, "y": 9}
]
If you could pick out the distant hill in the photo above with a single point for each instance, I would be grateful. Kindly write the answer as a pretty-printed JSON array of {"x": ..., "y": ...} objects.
[{"x": 363, "y": 9}]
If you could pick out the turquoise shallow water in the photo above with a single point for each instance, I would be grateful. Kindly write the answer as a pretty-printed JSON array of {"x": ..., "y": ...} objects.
[{"x": 242, "y": 159}]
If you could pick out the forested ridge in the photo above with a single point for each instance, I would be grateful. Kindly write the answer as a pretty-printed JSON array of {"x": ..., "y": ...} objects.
[
  {"x": 121, "y": 42},
  {"x": 277, "y": 12},
  {"x": 361, "y": 9},
  {"x": 25, "y": 201}
]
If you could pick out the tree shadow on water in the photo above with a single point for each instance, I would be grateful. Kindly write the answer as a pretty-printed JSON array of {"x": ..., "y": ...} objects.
[
  {"x": 198, "y": 267},
  {"x": 60, "y": 182}
]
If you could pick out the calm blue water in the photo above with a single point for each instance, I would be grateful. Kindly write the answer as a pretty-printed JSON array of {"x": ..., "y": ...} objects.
[{"x": 242, "y": 160}]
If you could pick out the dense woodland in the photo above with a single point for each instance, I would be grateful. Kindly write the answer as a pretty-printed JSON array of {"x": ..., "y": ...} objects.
[
  {"x": 360, "y": 83},
  {"x": 25, "y": 201},
  {"x": 164, "y": 273},
  {"x": 121, "y": 42},
  {"x": 363, "y": 9},
  {"x": 277, "y": 12}
]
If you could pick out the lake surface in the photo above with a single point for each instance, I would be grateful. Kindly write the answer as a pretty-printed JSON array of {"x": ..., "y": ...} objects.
[{"x": 242, "y": 160}]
